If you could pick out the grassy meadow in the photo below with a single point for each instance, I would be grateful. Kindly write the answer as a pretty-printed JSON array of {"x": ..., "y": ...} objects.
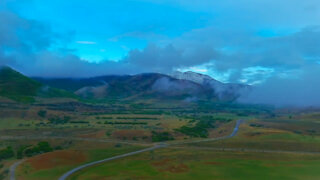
[
  {"x": 204, "y": 164},
  {"x": 80, "y": 133}
]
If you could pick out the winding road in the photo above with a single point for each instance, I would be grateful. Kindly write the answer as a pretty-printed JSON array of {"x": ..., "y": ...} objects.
[
  {"x": 234, "y": 132},
  {"x": 162, "y": 145},
  {"x": 67, "y": 174},
  {"x": 157, "y": 146},
  {"x": 13, "y": 169}
]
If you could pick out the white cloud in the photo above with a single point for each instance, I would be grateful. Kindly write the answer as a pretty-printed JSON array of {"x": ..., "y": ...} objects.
[{"x": 86, "y": 42}]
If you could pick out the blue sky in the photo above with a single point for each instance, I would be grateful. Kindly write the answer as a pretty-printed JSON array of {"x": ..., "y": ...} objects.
[
  {"x": 110, "y": 29},
  {"x": 245, "y": 41}
]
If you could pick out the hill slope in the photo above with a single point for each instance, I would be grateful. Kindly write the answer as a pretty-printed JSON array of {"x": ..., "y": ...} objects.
[{"x": 16, "y": 86}]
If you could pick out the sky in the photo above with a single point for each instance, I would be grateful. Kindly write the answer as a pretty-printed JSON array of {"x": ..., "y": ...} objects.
[{"x": 243, "y": 41}]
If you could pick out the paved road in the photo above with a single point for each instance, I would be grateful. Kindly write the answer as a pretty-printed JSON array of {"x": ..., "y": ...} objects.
[
  {"x": 15, "y": 165},
  {"x": 13, "y": 169},
  {"x": 67, "y": 174},
  {"x": 163, "y": 145},
  {"x": 234, "y": 132}
]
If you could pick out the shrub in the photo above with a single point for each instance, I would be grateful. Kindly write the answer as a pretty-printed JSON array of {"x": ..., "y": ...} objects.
[
  {"x": 59, "y": 120},
  {"x": 199, "y": 130},
  {"x": 42, "y": 147},
  {"x": 42, "y": 113},
  {"x": 161, "y": 136},
  {"x": 6, "y": 153},
  {"x": 20, "y": 151}
]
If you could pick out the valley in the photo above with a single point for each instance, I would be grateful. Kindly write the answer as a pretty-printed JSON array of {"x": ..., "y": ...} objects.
[{"x": 178, "y": 134}]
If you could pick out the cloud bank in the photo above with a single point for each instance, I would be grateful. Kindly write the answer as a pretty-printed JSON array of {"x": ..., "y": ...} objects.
[
  {"x": 303, "y": 91},
  {"x": 281, "y": 56}
]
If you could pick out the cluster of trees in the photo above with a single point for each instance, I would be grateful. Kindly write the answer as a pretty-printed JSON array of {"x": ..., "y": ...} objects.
[
  {"x": 199, "y": 130},
  {"x": 20, "y": 151},
  {"x": 42, "y": 113},
  {"x": 256, "y": 125},
  {"x": 141, "y": 118},
  {"x": 27, "y": 150},
  {"x": 126, "y": 123},
  {"x": 79, "y": 122},
  {"x": 161, "y": 136},
  {"x": 98, "y": 117},
  {"x": 128, "y": 118},
  {"x": 202, "y": 126},
  {"x": 41, "y": 147},
  {"x": 213, "y": 119},
  {"x": 6, "y": 153},
  {"x": 59, "y": 120}
]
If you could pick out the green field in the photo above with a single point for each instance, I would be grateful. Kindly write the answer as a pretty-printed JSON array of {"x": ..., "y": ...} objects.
[
  {"x": 90, "y": 132},
  {"x": 54, "y": 164},
  {"x": 204, "y": 164}
]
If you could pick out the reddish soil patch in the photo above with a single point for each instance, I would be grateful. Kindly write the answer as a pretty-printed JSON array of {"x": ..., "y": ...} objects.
[
  {"x": 98, "y": 134},
  {"x": 165, "y": 126},
  {"x": 129, "y": 134},
  {"x": 57, "y": 158},
  {"x": 162, "y": 162},
  {"x": 262, "y": 132},
  {"x": 288, "y": 165},
  {"x": 166, "y": 165},
  {"x": 213, "y": 163},
  {"x": 180, "y": 168},
  {"x": 224, "y": 129},
  {"x": 254, "y": 134}
]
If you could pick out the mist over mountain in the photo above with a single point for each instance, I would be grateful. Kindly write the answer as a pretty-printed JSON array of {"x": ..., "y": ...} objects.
[
  {"x": 187, "y": 86},
  {"x": 222, "y": 90},
  {"x": 184, "y": 86},
  {"x": 301, "y": 91}
]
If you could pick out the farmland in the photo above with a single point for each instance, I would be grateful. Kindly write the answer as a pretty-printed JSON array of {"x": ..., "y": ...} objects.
[
  {"x": 267, "y": 144},
  {"x": 207, "y": 164}
]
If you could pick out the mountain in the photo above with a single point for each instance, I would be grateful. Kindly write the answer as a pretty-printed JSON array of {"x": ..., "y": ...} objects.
[
  {"x": 188, "y": 86},
  {"x": 141, "y": 86},
  {"x": 194, "y": 77},
  {"x": 16, "y": 86},
  {"x": 225, "y": 91}
]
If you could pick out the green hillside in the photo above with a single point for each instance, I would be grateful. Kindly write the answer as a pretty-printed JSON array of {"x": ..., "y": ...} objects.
[{"x": 16, "y": 86}]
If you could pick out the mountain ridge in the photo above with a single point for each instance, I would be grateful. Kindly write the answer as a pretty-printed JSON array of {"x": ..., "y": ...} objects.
[
  {"x": 187, "y": 86},
  {"x": 223, "y": 90}
]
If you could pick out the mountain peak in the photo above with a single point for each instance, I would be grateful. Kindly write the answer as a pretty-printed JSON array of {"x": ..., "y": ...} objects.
[{"x": 193, "y": 76}]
